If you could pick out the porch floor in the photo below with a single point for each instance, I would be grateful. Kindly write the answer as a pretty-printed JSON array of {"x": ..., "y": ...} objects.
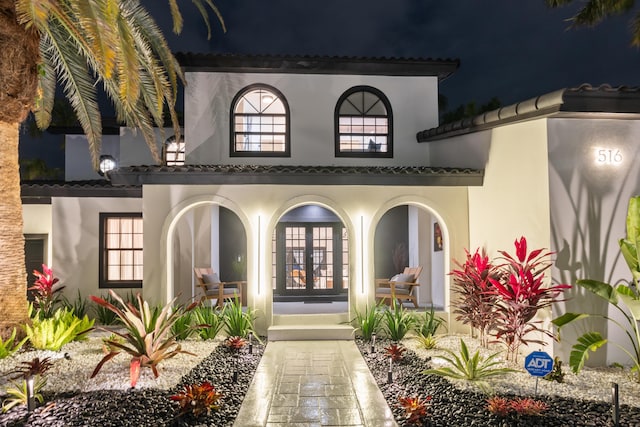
[{"x": 313, "y": 383}]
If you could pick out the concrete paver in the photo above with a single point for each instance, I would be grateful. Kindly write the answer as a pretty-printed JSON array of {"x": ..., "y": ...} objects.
[{"x": 313, "y": 383}]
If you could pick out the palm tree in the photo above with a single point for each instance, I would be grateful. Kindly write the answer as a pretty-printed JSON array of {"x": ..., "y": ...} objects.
[
  {"x": 595, "y": 11},
  {"x": 82, "y": 44}
]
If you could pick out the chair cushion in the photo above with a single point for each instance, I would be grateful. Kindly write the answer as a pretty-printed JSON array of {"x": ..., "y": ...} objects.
[
  {"x": 210, "y": 278},
  {"x": 399, "y": 290},
  {"x": 407, "y": 278}
]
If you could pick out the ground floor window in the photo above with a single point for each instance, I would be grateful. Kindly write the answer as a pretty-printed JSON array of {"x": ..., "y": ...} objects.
[{"x": 121, "y": 257}]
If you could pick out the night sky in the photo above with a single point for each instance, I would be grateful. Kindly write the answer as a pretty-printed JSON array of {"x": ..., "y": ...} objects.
[{"x": 511, "y": 49}]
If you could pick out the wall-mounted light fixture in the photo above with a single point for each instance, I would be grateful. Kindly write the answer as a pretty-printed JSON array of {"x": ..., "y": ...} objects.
[{"x": 107, "y": 163}]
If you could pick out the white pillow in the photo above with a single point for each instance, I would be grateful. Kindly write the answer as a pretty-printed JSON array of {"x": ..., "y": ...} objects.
[{"x": 410, "y": 278}]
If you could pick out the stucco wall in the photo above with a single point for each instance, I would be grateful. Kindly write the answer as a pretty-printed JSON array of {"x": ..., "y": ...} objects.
[
  {"x": 259, "y": 207},
  {"x": 514, "y": 200},
  {"x": 312, "y": 100},
  {"x": 75, "y": 239},
  {"x": 588, "y": 210}
]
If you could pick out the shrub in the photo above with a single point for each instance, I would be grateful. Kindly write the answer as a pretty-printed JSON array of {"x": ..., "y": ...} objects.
[
  {"x": 183, "y": 327},
  {"x": 148, "y": 338},
  {"x": 521, "y": 294},
  {"x": 415, "y": 408},
  {"x": 103, "y": 315},
  {"x": 502, "y": 406},
  {"x": 235, "y": 343},
  {"x": 395, "y": 352},
  {"x": 54, "y": 332},
  {"x": 474, "y": 368},
  {"x": 197, "y": 399},
  {"x": 426, "y": 328},
  {"x": 45, "y": 292},
  {"x": 368, "y": 323},
  {"x": 238, "y": 323},
  {"x": 209, "y": 320},
  {"x": 556, "y": 373},
  {"x": 78, "y": 306},
  {"x": 8, "y": 347},
  {"x": 18, "y": 394},
  {"x": 475, "y": 304},
  {"x": 397, "y": 321}
]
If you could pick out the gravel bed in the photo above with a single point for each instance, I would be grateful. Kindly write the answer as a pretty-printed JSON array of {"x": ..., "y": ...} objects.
[
  {"x": 72, "y": 399},
  {"x": 583, "y": 400}
]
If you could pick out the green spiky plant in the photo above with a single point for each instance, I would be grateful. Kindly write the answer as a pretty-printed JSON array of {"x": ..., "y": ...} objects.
[
  {"x": 18, "y": 394},
  {"x": 10, "y": 346},
  {"x": 238, "y": 323},
  {"x": 474, "y": 368},
  {"x": 624, "y": 297},
  {"x": 397, "y": 321},
  {"x": 147, "y": 338},
  {"x": 367, "y": 323},
  {"x": 426, "y": 328},
  {"x": 54, "y": 332},
  {"x": 78, "y": 305},
  {"x": 210, "y": 321}
]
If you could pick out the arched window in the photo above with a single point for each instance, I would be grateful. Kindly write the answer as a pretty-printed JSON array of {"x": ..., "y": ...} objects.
[
  {"x": 260, "y": 123},
  {"x": 363, "y": 124},
  {"x": 173, "y": 151}
]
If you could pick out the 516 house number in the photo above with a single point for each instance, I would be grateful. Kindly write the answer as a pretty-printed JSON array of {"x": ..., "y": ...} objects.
[{"x": 608, "y": 156}]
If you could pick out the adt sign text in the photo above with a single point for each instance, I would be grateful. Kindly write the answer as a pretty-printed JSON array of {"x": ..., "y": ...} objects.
[{"x": 538, "y": 363}]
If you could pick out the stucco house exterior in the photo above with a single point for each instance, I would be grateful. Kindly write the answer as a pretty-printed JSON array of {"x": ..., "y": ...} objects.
[{"x": 334, "y": 167}]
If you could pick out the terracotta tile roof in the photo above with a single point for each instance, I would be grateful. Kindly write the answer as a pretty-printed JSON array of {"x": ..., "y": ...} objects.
[
  {"x": 296, "y": 175},
  {"x": 564, "y": 102},
  {"x": 305, "y": 64}
]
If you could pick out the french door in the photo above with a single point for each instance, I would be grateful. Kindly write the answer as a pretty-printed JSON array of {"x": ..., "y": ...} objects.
[{"x": 311, "y": 259}]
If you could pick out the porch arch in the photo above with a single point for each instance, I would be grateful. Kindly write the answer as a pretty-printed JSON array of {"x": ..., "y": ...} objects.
[
  {"x": 448, "y": 239},
  {"x": 169, "y": 230}
]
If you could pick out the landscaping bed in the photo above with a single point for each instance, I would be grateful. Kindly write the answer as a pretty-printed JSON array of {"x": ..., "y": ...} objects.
[
  {"x": 460, "y": 405},
  {"x": 145, "y": 405}
]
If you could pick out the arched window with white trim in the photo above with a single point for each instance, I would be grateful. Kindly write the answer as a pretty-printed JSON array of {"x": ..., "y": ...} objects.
[{"x": 260, "y": 123}]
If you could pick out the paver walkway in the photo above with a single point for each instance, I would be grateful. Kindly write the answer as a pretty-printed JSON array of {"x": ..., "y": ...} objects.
[{"x": 313, "y": 383}]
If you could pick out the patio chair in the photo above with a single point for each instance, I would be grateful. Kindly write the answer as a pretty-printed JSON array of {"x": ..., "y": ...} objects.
[
  {"x": 213, "y": 288},
  {"x": 400, "y": 287}
]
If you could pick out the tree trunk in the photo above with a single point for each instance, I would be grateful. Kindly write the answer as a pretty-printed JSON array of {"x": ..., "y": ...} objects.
[
  {"x": 19, "y": 59},
  {"x": 13, "y": 280}
]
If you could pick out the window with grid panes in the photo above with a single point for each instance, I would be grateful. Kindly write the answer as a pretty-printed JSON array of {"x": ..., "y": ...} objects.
[
  {"x": 363, "y": 124},
  {"x": 121, "y": 257},
  {"x": 260, "y": 123},
  {"x": 173, "y": 151}
]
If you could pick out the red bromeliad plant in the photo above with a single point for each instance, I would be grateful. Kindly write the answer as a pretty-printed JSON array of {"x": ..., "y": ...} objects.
[
  {"x": 198, "y": 399},
  {"x": 235, "y": 343},
  {"x": 415, "y": 408},
  {"x": 395, "y": 352},
  {"x": 476, "y": 303},
  {"x": 521, "y": 292},
  {"x": 148, "y": 337},
  {"x": 45, "y": 292}
]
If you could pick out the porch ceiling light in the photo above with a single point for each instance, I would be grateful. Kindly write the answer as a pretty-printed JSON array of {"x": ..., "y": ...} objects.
[{"x": 107, "y": 163}]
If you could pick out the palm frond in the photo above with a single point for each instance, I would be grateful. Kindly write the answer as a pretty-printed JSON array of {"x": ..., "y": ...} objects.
[{"x": 71, "y": 67}]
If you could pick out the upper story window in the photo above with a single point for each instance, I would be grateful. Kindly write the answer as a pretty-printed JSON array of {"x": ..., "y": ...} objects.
[
  {"x": 363, "y": 124},
  {"x": 260, "y": 123},
  {"x": 173, "y": 151},
  {"x": 121, "y": 250}
]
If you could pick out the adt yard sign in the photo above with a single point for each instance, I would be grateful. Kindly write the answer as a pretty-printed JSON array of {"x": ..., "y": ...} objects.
[{"x": 538, "y": 363}]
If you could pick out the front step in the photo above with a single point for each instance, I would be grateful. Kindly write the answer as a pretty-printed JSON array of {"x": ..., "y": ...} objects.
[{"x": 314, "y": 332}]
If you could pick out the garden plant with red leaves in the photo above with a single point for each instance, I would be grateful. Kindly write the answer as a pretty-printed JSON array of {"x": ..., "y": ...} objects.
[
  {"x": 475, "y": 305},
  {"x": 198, "y": 399},
  {"x": 45, "y": 292},
  {"x": 235, "y": 343},
  {"x": 415, "y": 408},
  {"x": 503, "y": 406},
  {"x": 521, "y": 292},
  {"x": 395, "y": 352}
]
